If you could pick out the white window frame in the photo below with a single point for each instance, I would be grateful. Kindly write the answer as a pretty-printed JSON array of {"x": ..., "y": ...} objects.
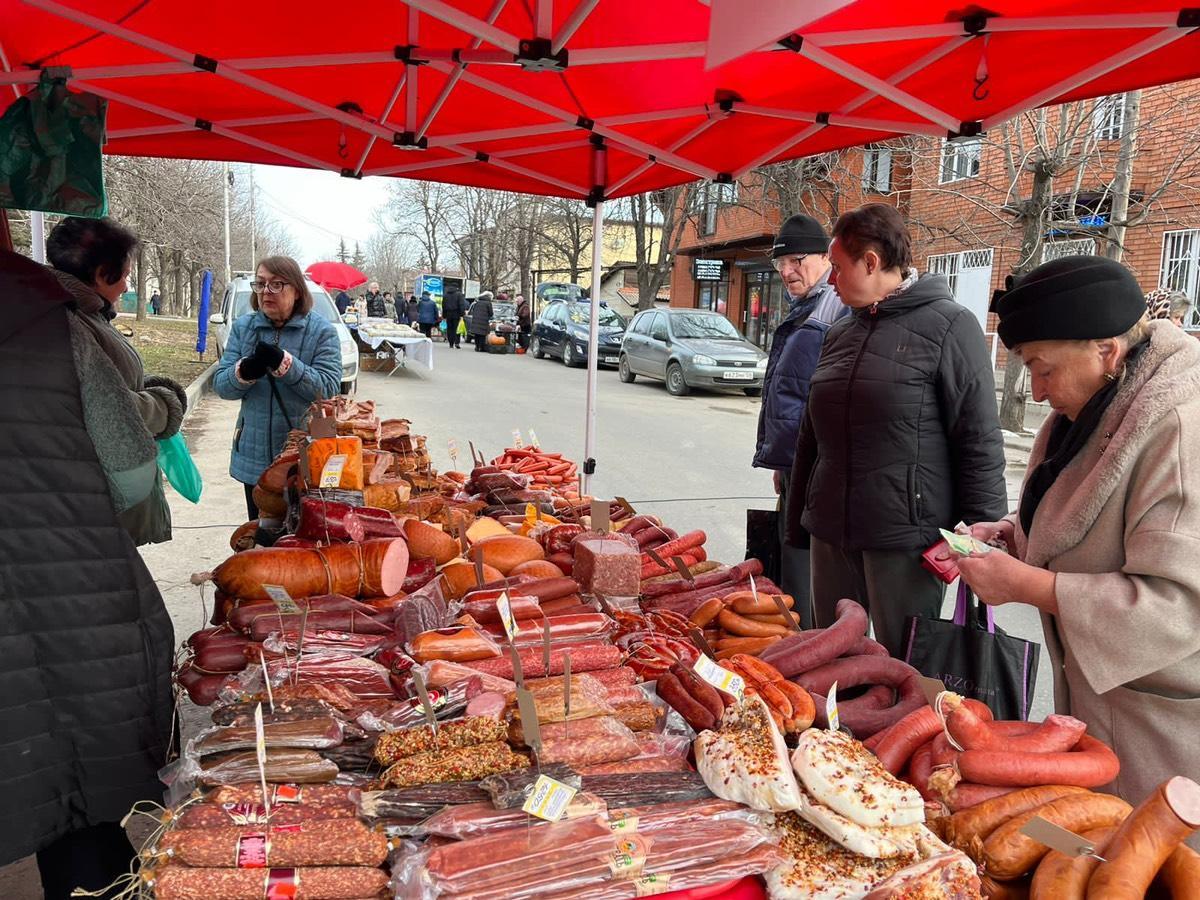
[
  {"x": 877, "y": 170},
  {"x": 945, "y": 264},
  {"x": 960, "y": 159},
  {"x": 715, "y": 196},
  {"x": 1108, "y": 117},
  {"x": 1070, "y": 247},
  {"x": 1179, "y": 269}
]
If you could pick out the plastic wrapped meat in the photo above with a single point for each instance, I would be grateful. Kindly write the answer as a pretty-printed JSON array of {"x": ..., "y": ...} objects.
[
  {"x": 457, "y": 764},
  {"x": 175, "y": 882},
  {"x": 333, "y": 842},
  {"x": 420, "y": 801},
  {"x": 397, "y": 745},
  {"x": 476, "y": 819},
  {"x": 217, "y": 815},
  {"x": 511, "y": 789},
  {"x": 609, "y": 567},
  {"x": 587, "y": 742},
  {"x": 588, "y": 698},
  {"x": 646, "y": 788},
  {"x": 364, "y": 678},
  {"x": 745, "y": 760},
  {"x": 304, "y": 734},
  {"x": 283, "y": 767}
]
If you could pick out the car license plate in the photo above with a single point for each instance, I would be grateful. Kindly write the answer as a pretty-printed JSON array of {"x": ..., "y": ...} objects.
[
  {"x": 612, "y": 360},
  {"x": 738, "y": 376}
]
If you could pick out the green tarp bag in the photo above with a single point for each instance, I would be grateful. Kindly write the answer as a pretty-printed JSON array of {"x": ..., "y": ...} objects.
[
  {"x": 50, "y": 142},
  {"x": 176, "y": 463}
]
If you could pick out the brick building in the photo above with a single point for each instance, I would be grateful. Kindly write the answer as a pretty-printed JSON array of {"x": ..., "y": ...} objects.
[{"x": 960, "y": 199}]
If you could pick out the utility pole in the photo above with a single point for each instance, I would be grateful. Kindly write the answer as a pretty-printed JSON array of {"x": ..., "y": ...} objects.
[
  {"x": 253, "y": 236},
  {"x": 226, "y": 177}
]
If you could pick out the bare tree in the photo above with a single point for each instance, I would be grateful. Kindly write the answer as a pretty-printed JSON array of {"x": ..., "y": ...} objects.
[
  {"x": 567, "y": 233},
  {"x": 658, "y": 219},
  {"x": 421, "y": 210},
  {"x": 811, "y": 185},
  {"x": 391, "y": 260}
]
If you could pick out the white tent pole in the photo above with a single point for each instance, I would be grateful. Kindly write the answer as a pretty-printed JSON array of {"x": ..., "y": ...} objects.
[
  {"x": 37, "y": 235},
  {"x": 589, "y": 434}
]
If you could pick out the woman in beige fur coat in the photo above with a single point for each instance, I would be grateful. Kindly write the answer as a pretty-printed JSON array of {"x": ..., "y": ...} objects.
[{"x": 1106, "y": 542}]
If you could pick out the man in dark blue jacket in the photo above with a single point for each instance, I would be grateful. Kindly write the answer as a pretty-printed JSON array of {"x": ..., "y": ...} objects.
[{"x": 801, "y": 257}]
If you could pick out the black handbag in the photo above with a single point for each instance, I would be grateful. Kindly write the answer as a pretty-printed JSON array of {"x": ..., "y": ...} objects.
[
  {"x": 974, "y": 658},
  {"x": 762, "y": 540}
]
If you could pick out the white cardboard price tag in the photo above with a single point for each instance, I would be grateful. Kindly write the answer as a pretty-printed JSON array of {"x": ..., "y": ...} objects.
[
  {"x": 281, "y": 598},
  {"x": 533, "y": 440},
  {"x": 331, "y": 474},
  {"x": 517, "y": 442},
  {"x": 452, "y": 446},
  {"x": 831, "y": 710},
  {"x": 720, "y": 678},
  {"x": 549, "y": 799},
  {"x": 1058, "y": 838}
]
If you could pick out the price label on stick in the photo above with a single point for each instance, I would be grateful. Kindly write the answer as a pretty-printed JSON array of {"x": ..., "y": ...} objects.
[
  {"x": 720, "y": 678},
  {"x": 931, "y": 688},
  {"x": 479, "y": 568},
  {"x": 681, "y": 567},
  {"x": 504, "y": 608},
  {"x": 517, "y": 442},
  {"x": 281, "y": 598},
  {"x": 549, "y": 799},
  {"x": 266, "y": 679},
  {"x": 785, "y": 612},
  {"x": 605, "y": 607},
  {"x": 518, "y": 669},
  {"x": 426, "y": 702},
  {"x": 599, "y": 515},
  {"x": 1058, "y": 838},
  {"x": 331, "y": 474},
  {"x": 533, "y": 440},
  {"x": 566, "y": 685},
  {"x": 658, "y": 560},
  {"x": 700, "y": 641},
  {"x": 260, "y": 755},
  {"x": 831, "y": 710},
  {"x": 625, "y": 505},
  {"x": 529, "y": 720},
  {"x": 452, "y": 446}
]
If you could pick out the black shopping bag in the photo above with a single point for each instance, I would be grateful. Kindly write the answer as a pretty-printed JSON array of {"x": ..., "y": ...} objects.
[
  {"x": 762, "y": 540},
  {"x": 975, "y": 658}
]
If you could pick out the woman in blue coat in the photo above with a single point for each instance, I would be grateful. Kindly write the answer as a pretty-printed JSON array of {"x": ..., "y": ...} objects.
[{"x": 278, "y": 360}]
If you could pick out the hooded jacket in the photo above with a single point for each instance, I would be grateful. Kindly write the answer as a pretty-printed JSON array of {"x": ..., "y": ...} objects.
[
  {"x": 901, "y": 436},
  {"x": 85, "y": 642},
  {"x": 479, "y": 316}
]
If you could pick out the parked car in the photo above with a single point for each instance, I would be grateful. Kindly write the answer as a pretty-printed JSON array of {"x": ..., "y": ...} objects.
[
  {"x": 690, "y": 348},
  {"x": 562, "y": 331},
  {"x": 236, "y": 303}
]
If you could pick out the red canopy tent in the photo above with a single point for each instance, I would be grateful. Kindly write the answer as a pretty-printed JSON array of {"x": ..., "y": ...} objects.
[{"x": 591, "y": 99}]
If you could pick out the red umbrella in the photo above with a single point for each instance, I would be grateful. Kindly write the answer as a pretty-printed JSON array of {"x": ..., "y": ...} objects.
[{"x": 335, "y": 276}]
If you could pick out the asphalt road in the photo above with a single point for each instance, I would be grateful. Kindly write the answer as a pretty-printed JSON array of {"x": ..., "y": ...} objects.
[{"x": 686, "y": 459}]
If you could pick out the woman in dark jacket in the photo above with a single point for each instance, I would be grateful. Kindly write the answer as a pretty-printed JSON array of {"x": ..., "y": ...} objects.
[
  {"x": 479, "y": 320},
  {"x": 901, "y": 436},
  {"x": 85, "y": 642}
]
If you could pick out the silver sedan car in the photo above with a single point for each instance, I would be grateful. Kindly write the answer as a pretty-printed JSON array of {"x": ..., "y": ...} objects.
[{"x": 690, "y": 348}]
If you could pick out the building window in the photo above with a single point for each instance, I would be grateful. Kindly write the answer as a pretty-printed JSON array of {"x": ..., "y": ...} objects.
[
  {"x": 960, "y": 159},
  {"x": 945, "y": 264},
  {"x": 1108, "y": 117},
  {"x": 715, "y": 196},
  {"x": 1075, "y": 247},
  {"x": 877, "y": 170},
  {"x": 1180, "y": 270}
]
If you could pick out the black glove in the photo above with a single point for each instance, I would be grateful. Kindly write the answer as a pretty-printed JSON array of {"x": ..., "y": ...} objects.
[
  {"x": 269, "y": 355},
  {"x": 251, "y": 368}
]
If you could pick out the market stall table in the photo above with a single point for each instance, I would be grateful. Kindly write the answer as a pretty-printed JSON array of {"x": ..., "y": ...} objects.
[{"x": 394, "y": 342}]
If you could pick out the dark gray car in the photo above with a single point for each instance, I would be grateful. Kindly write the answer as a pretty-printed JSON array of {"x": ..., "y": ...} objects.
[{"x": 690, "y": 348}]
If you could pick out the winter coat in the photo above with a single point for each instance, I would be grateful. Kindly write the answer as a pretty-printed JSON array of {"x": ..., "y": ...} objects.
[
  {"x": 1121, "y": 527},
  {"x": 262, "y": 427},
  {"x": 428, "y": 313},
  {"x": 454, "y": 304},
  {"x": 479, "y": 317},
  {"x": 85, "y": 642},
  {"x": 376, "y": 308},
  {"x": 901, "y": 435},
  {"x": 342, "y": 301},
  {"x": 160, "y": 401},
  {"x": 795, "y": 349},
  {"x": 524, "y": 316}
]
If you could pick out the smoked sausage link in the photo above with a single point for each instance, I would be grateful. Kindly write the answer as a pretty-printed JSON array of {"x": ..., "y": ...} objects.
[
  {"x": 1091, "y": 764},
  {"x": 1008, "y": 853}
]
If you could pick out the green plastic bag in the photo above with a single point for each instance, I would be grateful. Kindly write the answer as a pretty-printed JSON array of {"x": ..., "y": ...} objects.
[{"x": 176, "y": 463}]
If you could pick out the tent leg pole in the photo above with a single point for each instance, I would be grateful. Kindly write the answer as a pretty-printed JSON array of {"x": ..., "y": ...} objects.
[
  {"x": 593, "y": 360},
  {"x": 37, "y": 235}
]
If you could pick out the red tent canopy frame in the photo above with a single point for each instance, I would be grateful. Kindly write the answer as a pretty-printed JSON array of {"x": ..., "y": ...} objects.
[{"x": 592, "y": 99}]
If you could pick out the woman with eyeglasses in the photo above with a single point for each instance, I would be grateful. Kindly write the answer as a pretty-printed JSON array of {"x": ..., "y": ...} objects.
[{"x": 277, "y": 361}]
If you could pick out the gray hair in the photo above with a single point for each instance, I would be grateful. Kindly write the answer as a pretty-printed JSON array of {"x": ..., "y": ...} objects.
[
  {"x": 485, "y": 295},
  {"x": 1180, "y": 304}
]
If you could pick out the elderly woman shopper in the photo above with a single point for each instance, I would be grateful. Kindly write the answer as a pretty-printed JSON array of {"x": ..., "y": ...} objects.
[
  {"x": 1164, "y": 303},
  {"x": 900, "y": 436},
  {"x": 479, "y": 320},
  {"x": 277, "y": 361},
  {"x": 1104, "y": 542}
]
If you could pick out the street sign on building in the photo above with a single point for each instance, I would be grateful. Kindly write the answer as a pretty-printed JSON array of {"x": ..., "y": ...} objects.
[{"x": 708, "y": 269}]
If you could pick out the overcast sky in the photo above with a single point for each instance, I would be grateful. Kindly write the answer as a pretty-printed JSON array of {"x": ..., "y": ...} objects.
[{"x": 319, "y": 207}]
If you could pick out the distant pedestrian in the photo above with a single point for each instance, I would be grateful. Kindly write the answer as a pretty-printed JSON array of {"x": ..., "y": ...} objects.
[
  {"x": 479, "y": 320},
  {"x": 375, "y": 307},
  {"x": 454, "y": 305},
  {"x": 428, "y": 315},
  {"x": 410, "y": 310},
  {"x": 343, "y": 302},
  {"x": 389, "y": 305},
  {"x": 524, "y": 322},
  {"x": 155, "y": 303}
]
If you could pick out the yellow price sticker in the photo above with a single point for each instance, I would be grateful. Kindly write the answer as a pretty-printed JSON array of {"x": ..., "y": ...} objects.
[
  {"x": 549, "y": 799},
  {"x": 331, "y": 474},
  {"x": 831, "y": 710},
  {"x": 720, "y": 678}
]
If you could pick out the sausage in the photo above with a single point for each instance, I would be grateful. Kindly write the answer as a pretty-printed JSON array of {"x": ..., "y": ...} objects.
[
  {"x": 333, "y": 842},
  {"x": 804, "y": 708},
  {"x": 1146, "y": 839},
  {"x": 991, "y": 889},
  {"x": 745, "y": 644},
  {"x": 1062, "y": 877},
  {"x": 740, "y": 625},
  {"x": 676, "y": 696},
  {"x": 730, "y": 577},
  {"x": 703, "y": 692},
  {"x": 972, "y": 826},
  {"x": 1007, "y": 853},
  {"x": 375, "y": 568},
  {"x": 679, "y": 546},
  {"x": 854, "y": 671},
  {"x": 751, "y": 602},
  {"x": 864, "y": 646},
  {"x": 964, "y": 795},
  {"x": 706, "y": 612},
  {"x": 421, "y": 571},
  {"x": 173, "y": 882},
  {"x": 921, "y": 768},
  {"x": 564, "y": 561},
  {"x": 797, "y": 654},
  {"x": 918, "y": 727},
  {"x": 549, "y": 588},
  {"x": 971, "y": 732},
  {"x": 1180, "y": 874},
  {"x": 1091, "y": 764}
]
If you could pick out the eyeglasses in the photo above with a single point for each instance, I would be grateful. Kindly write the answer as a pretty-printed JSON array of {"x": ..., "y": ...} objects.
[
  {"x": 797, "y": 258},
  {"x": 269, "y": 287}
]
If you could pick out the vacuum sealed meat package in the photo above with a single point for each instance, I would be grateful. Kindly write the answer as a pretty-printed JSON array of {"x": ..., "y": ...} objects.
[
  {"x": 397, "y": 745},
  {"x": 588, "y": 698},
  {"x": 218, "y": 815},
  {"x": 283, "y": 767},
  {"x": 302, "y": 734},
  {"x": 176, "y": 882},
  {"x": 335, "y": 842},
  {"x": 476, "y": 819},
  {"x": 421, "y": 801},
  {"x": 456, "y": 764},
  {"x": 511, "y": 789},
  {"x": 587, "y": 742}
]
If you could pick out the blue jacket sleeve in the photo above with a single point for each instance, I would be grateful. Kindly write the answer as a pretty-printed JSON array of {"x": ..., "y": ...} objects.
[
  {"x": 225, "y": 382},
  {"x": 322, "y": 375}
]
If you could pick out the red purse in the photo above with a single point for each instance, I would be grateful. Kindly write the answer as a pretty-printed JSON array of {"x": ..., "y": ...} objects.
[{"x": 940, "y": 561}]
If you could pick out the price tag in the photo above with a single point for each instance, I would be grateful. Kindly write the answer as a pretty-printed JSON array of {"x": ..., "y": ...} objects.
[
  {"x": 426, "y": 701},
  {"x": 721, "y": 679},
  {"x": 964, "y": 544},
  {"x": 931, "y": 688},
  {"x": 260, "y": 754},
  {"x": 599, "y": 515},
  {"x": 604, "y": 604},
  {"x": 785, "y": 612},
  {"x": 475, "y": 459},
  {"x": 649, "y": 885},
  {"x": 504, "y": 607},
  {"x": 701, "y": 642},
  {"x": 517, "y": 442},
  {"x": 479, "y": 568},
  {"x": 331, "y": 474},
  {"x": 546, "y": 645},
  {"x": 518, "y": 669},
  {"x": 533, "y": 440},
  {"x": 266, "y": 679},
  {"x": 452, "y": 446},
  {"x": 625, "y": 505},
  {"x": 566, "y": 685},
  {"x": 281, "y": 598},
  {"x": 682, "y": 568},
  {"x": 831, "y": 710},
  {"x": 1058, "y": 838},
  {"x": 658, "y": 560},
  {"x": 529, "y": 720},
  {"x": 549, "y": 799}
]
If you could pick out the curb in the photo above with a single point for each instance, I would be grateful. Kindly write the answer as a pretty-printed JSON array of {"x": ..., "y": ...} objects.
[{"x": 201, "y": 385}]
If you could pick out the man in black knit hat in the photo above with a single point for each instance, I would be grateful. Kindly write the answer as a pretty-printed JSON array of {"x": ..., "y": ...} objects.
[{"x": 800, "y": 255}]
